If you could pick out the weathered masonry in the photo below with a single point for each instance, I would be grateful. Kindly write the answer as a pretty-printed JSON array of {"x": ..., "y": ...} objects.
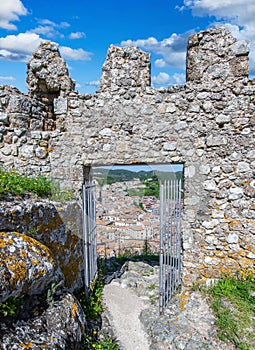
[{"x": 207, "y": 125}]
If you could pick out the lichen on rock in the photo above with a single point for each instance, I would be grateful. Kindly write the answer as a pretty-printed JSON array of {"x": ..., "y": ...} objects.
[
  {"x": 26, "y": 266},
  {"x": 60, "y": 326}
]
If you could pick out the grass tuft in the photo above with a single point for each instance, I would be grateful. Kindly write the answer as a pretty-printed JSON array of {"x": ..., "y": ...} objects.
[{"x": 233, "y": 301}]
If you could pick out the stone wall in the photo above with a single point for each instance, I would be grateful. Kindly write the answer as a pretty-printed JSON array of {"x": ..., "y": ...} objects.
[{"x": 207, "y": 125}]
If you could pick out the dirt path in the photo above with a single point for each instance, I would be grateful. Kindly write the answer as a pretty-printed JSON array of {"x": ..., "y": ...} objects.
[{"x": 124, "y": 308}]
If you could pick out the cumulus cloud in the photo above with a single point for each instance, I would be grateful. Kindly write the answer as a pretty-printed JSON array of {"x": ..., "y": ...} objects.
[
  {"x": 240, "y": 12},
  {"x": 77, "y": 35},
  {"x": 163, "y": 79},
  {"x": 238, "y": 16},
  {"x": 18, "y": 47},
  {"x": 172, "y": 49},
  {"x": 75, "y": 54},
  {"x": 10, "y": 11}
]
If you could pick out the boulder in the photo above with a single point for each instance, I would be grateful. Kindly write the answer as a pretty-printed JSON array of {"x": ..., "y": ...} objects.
[
  {"x": 26, "y": 266},
  {"x": 59, "y": 327}
]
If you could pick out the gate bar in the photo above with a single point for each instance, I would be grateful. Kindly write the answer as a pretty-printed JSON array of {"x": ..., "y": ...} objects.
[{"x": 170, "y": 240}]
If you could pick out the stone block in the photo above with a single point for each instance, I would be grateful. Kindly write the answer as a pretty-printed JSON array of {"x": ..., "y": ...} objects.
[{"x": 60, "y": 105}]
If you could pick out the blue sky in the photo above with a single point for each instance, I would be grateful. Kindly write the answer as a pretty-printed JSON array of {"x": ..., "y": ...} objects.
[{"x": 85, "y": 29}]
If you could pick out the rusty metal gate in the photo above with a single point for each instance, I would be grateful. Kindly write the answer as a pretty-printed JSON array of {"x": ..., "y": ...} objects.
[
  {"x": 170, "y": 240},
  {"x": 89, "y": 233}
]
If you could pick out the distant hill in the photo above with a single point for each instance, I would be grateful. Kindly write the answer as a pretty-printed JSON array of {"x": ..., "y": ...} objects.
[{"x": 104, "y": 175}]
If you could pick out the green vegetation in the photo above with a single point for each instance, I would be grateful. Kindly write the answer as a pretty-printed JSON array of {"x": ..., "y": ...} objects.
[
  {"x": 106, "y": 343},
  {"x": 18, "y": 185},
  {"x": 146, "y": 248},
  {"x": 52, "y": 292},
  {"x": 233, "y": 301},
  {"x": 120, "y": 175},
  {"x": 135, "y": 192},
  {"x": 152, "y": 286},
  {"x": 10, "y": 307},
  {"x": 92, "y": 307},
  {"x": 152, "y": 187}
]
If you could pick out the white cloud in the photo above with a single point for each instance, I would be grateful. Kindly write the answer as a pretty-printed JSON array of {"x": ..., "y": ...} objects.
[
  {"x": 49, "y": 28},
  {"x": 161, "y": 79},
  {"x": 7, "y": 78},
  {"x": 11, "y": 10},
  {"x": 172, "y": 49},
  {"x": 239, "y": 12},
  {"x": 77, "y": 35},
  {"x": 45, "y": 30},
  {"x": 150, "y": 42},
  {"x": 160, "y": 63},
  {"x": 93, "y": 83},
  {"x": 165, "y": 79},
  {"x": 179, "y": 78},
  {"x": 238, "y": 16},
  {"x": 48, "y": 22},
  {"x": 75, "y": 54},
  {"x": 18, "y": 47}
]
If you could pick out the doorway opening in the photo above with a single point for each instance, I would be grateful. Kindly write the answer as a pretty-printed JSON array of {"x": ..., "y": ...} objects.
[
  {"x": 138, "y": 212},
  {"x": 128, "y": 207}
]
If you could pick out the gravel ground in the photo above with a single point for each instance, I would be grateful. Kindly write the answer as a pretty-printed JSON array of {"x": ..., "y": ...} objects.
[{"x": 131, "y": 311}]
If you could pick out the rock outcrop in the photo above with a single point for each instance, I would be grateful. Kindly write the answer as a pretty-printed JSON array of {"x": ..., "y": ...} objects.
[
  {"x": 26, "y": 266},
  {"x": 56, "y": 226},
  {"x": 60, "y": 326}
]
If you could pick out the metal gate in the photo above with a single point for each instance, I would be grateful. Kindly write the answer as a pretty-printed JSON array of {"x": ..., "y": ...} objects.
[
  {"x": 170, "y": 240},
  {"x": 89, "y": 233}
]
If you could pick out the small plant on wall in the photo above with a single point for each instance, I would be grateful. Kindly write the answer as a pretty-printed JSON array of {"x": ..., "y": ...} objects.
[{"x": 15, "y": 184}]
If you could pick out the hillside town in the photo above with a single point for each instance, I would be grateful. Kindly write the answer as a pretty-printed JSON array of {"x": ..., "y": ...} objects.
[{"x": 126, "y": 223}]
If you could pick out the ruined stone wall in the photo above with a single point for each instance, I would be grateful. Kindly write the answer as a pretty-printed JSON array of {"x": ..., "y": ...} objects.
[{"x": 207, "y": 125}]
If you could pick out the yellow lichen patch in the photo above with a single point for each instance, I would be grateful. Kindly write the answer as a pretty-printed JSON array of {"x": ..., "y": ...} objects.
[
  {"x": 69, "y": 266},
  {"x": 4, "y": 241},
  {"x": 18, "y": 271},
  {"x": 36, "y": 245},
  {"x": 29, "y": 262},
  {"x": 235, "y": 224},
  {"x": 23, "y": 254},
  {"x": 246, "y": 263},
  {"x": 183, "y": 300},
  {"x": 245, "y": 183},
  {"x": 26, "y": 346},
  {"x": 4, "y": 234},
  {"x": 74, "y": 310}
]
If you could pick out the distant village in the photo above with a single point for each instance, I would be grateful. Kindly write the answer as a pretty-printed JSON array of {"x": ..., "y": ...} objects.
[{"x": 126, "y": 223}]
